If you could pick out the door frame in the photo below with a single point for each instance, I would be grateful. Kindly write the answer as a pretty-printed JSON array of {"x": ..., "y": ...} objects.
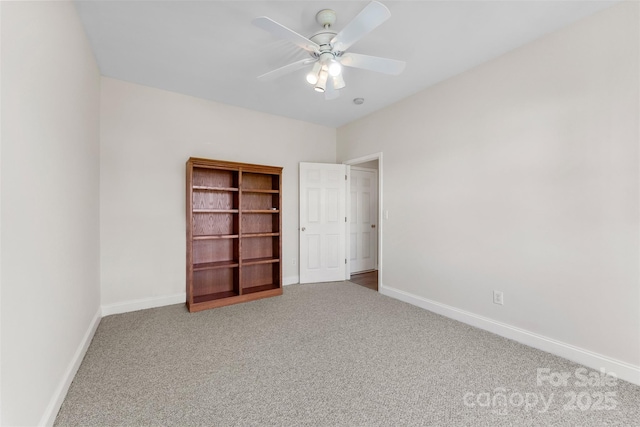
[{"x": 354, "y": 162}]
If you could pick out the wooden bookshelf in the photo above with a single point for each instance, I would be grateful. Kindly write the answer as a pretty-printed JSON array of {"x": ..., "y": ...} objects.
[{"x": 234, "y": 241}]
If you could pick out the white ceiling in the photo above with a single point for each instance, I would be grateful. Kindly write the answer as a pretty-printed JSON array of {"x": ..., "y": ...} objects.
[{"x": 210, "y": 49}]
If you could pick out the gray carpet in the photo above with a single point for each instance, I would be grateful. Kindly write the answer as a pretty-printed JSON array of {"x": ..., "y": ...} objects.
[{"x": 324, "y": 354}]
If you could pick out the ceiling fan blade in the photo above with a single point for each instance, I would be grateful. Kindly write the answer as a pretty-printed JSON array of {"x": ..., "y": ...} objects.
[
  {"x": 372, "y": 63},
  {"x": 366, "y": 21},
  {"x": 278, "y": 72},
  {"x": 285, "y": 33}
]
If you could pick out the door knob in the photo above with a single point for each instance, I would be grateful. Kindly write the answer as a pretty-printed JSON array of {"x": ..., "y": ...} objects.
[
  {"x": 303, "y": 228},
  {"x": 373, "y": 226}
]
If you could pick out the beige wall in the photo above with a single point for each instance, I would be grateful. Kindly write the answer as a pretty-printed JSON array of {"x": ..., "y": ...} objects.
[
  {"x": 147, "y": 135},
  {"x": 50, "y": 205},
  {"x": 522, "y": 176}
]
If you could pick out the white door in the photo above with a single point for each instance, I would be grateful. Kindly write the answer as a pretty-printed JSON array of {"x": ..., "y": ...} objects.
[
  {"x": 322, "y": 222},
  {"x": 364, "y": 207}
]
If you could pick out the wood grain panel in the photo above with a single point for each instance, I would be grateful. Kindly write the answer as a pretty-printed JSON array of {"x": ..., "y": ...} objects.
[
  {"x": 257, "y": 201},
  {"x": 215, "y": 178},
  {"x": 208, "y": 282},
  {"x": 260, "y": 223},
  {"x": 255, "y": 181},
  {"x": 222, "y": 200},
  {"x": 207, "y": 224},
  {"x": 260, "y": 247},
  {"x": 257, "y": 275},
  {"x": 207, "y": 251},
  {"x": 203, "y": 299}
]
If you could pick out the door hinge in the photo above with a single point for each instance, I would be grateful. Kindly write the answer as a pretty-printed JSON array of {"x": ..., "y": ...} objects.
[
  {"x": 345, "y": 177},
  {"x": 345, "y": 260},
  {"x": 345, "y": 219}
]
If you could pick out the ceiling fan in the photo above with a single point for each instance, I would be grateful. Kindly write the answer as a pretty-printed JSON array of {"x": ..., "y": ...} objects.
[{"x": 327, "y": 49}]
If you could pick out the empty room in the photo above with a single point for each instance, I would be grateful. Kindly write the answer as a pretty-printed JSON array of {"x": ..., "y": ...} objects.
[{"x": 324, "y": 213}]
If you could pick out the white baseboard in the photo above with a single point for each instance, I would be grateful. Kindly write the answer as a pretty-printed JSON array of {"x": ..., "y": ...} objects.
[
  {"x": 143, "y": 304},
  {"x": 623, "y": 370},
  {"x": 153, "y": 302},
  {"x": 50, "y": 413},
  {"x": 290, "y": 280}
]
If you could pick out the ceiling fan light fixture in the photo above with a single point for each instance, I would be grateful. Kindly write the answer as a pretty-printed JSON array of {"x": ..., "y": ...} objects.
[
  {"x": 338, "y": 82},
  {"x": 314, "y": 75},
  {"x": 335, "y": 68},
  {"x": 321, "y": 85},
  {"x": 328, "y": 49}
]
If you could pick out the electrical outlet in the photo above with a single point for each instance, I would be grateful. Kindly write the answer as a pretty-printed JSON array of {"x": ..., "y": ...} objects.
[{"x": 498, "y": 297}]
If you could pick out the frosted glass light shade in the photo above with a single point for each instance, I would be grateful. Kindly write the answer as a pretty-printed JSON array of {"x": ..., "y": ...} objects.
[
  {"x": 335, "y": 68},
  {"x": 313, "y": 75},
  {"x": 321, "y": 85}
]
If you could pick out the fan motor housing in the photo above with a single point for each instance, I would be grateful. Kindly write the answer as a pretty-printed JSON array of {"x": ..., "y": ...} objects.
[
  {"x": 326, "y": 18},
  {"x": 323, "y": 39}
]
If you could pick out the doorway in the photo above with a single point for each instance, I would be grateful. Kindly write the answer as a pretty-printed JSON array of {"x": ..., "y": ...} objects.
[
  {"x": 325, "y": 229},
  {"x": 364, "y": 206}
]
